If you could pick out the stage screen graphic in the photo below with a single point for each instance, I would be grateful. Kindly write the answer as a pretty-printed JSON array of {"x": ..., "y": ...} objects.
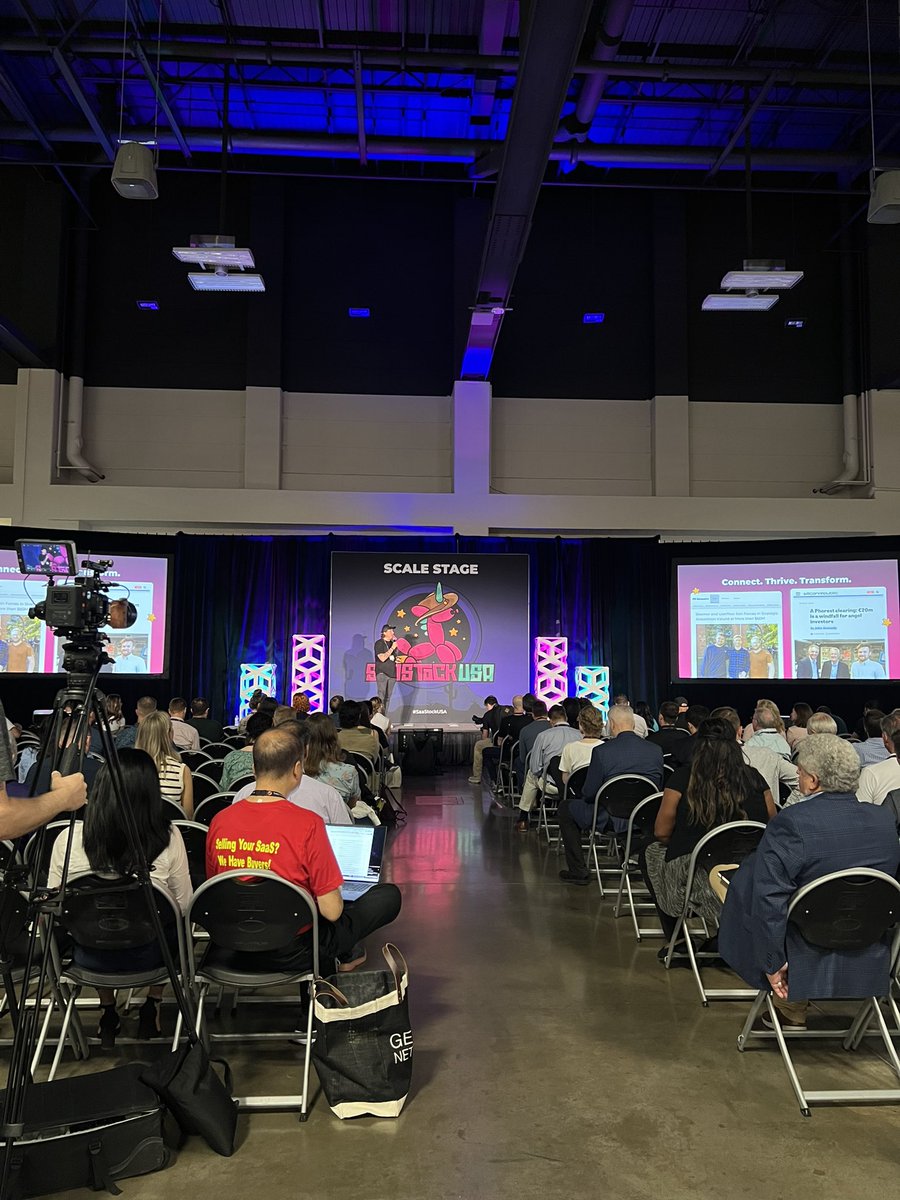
[
  {"x": 788, "y": 620},
  {"x": 461, "y": 632},
  {"x": 27, "y": 646}
]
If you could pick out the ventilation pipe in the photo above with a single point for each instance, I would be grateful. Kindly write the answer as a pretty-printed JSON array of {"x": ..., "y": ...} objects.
[
  {"x": 74, "y": 426},
  {"x": 612, "y": 30}
]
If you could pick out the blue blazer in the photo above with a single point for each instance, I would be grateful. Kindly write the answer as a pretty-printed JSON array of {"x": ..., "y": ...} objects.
[
  {"x": 828, "y": 832},
  {"x": 627, "y": 754}
]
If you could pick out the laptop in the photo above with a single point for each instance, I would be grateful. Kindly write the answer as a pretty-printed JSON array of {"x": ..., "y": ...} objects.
[{"x": 358, "y": 850}]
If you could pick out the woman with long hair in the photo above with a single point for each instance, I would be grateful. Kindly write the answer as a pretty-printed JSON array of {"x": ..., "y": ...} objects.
[
  {"x": 325, "y": 759},
  {"x": 114, "y": 712},
  {"x": 100, "y": 846},
  {"x": 797, "y": 731},
  {"x": 154, "y": 735},
  {"x": 240, "y": 762},
  {"x": 717, "y": 786}
]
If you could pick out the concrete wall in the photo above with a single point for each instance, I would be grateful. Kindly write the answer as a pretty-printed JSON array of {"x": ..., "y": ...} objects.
[{"x": 263, "y": 459}]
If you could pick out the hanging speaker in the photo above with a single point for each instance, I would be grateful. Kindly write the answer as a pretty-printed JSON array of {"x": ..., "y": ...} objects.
[{"x": 133, "y": 173}]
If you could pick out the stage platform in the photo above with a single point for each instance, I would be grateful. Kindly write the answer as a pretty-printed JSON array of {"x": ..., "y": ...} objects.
[{"x": 458, "y": 741}]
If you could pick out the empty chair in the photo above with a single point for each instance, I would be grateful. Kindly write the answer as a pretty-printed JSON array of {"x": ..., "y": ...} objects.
[
  {"x": 204, "y": 787},
  {"x": 218, "y": 749},
  {"x": 173, "y": 810},
  {"x": 196, "y": 760}
]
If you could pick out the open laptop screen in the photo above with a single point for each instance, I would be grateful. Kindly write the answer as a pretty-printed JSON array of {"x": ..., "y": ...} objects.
[{"x": 352, "y": 846}]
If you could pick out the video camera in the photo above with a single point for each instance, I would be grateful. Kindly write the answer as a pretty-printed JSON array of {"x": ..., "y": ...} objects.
[{"x": 75, "y": 610}]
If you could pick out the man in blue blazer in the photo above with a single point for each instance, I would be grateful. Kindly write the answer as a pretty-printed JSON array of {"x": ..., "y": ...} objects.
[
  {"x": 829, "y": 831},
  {"x": 623, "y": 754}
]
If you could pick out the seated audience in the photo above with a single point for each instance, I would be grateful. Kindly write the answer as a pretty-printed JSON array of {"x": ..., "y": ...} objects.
[
  {"x": 836, "y": 717},
  {"x": 777, "y": 723},
  {"x": 715, "y": 788},
  {"x": 779, "y": 774},
  {"x": 796, "y": 731},
  {"x": 873, "y": 749},
  {"x": 240, "y": 762},
  {"x": 184, "y": 736},
  {"x": 252, "y": 706},
  {"x": 642, "y": 709},
  {"x": 765, "y": 732},
  {"x": 114, "y": 713},
  {"x": 100, "y": 846},
  {"x": 821, "y": 722},
  {"x": 490, "y": 723},
  {"x": 576, "y": 755},
  {"x": 355, "y": 734},
  {"x": 325, "y": 760},
  {"x": 829, "y": 832},
  {"x": 548, "y": 743},
  {"x": 300, "y": 705},
  {"x": 283, "y": 714},
  {"x": 539, "y": 722},
  {"x": 511, "y": 725},
  {"x": 682, "y": 749},
  {"x": 303, "y": 855},
  {"x": 334, "y": 705},
  {"x": 126, "y": 736},
  {"x": 207, "y": 728},
  {"x": 667, "y": 731},
  {"x": 38, "y": 780},
  {"x": 640, "y": 725},
  {"x": 308, "y": 792},
  {"x": 683, "y": 706},
  {"x": 572, "y": 705},
  {"x": 624, "y": 754},
  {"x": 859, "y": 729},
  {"x": 365, "y": 722},
  {"x": 379, "y": 717},
  {"x": 876, "y": 780},
  {"x": 175, "y": 780}
]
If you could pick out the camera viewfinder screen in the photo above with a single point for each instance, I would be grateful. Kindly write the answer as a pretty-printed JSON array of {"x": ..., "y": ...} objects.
[
  {"x": 47, "y": 558},
  {"x": 28, "y": 646}
]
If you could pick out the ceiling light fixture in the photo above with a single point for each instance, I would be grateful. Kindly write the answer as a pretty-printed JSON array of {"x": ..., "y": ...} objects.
[
  {"x": 739, "y": 302},
  {"x": 774, "y": 278},
  {"x": 214, "y": 250},
  {"x": 221, "y": 280}
]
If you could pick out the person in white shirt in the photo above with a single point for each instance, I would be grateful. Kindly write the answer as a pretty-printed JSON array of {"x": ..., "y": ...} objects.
[
  {"x": 379, "y": 717},
  {"x": 640, "y": 725},
  {"x": 319, "y": 798},
  {"x": 765, "y": 732},
  {"x": 876, "y": 780},
  {"x": 549, "y": 742},
  {"x": 576, "y": 755},
  {"x": 184, "y": 736}
]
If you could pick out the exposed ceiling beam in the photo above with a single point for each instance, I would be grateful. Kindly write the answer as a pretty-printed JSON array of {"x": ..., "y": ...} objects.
[
  {"x": 741, "y": 126},
  {"x": 84, "y": 104},
  {"x": 18, "y": 347},
  {"x": 612, "y": 30},
  {"x": 360, "y": 108},
  {"x": 551, "y": 42},
  {"x": 138, "y": 51}
]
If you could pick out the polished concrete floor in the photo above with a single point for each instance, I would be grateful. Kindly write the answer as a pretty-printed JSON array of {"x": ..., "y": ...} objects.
[{"x": 553, "y": 1057}]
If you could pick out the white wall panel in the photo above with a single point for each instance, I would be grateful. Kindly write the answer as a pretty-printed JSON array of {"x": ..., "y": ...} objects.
[{"x": 8, "y": 393}]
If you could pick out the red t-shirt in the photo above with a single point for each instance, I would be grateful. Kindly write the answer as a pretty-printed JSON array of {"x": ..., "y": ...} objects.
[{"x": 275, "y": 836}]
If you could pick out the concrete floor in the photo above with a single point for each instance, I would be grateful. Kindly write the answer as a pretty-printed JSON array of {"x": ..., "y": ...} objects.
[{"x": 553, "y": 1057}]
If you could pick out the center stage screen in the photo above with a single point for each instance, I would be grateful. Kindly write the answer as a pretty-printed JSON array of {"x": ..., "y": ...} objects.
[{"x": 460, "y": 624}]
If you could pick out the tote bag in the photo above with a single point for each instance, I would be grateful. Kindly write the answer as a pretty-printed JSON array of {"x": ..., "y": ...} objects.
[{"x": 363, "y": 1049}]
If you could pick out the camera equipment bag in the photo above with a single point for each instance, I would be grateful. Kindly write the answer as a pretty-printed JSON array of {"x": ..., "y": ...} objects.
[{"x": 87, "y": 1131}]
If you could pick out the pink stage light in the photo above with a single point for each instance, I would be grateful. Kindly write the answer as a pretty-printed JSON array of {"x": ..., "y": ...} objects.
[
  {"x": 551, "y": 669},
  {"x": 308, "y": 669}
]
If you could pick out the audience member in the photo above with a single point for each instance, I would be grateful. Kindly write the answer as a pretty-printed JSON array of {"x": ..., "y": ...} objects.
[
  {"x": 640, "y": 725},
  {"x": 576, "y": 755},
  {"x": 379, "y": 717},
  {"x": 38, "y": 780},
  {"x": 859, "y": 729},
  {"x": 821, "y": 722},
  {"x": 572, "y": 706},
  {"x": 175, "y": 780},
  {"x": 510, "y": 726},
  {"x": 324, "y": 759},
  {"x": 300, "y": 705},
  {"x": 20, "y": 815},
  {"x": 776, "y": 771},
  {"x": 334, "y": 705},
  {"x": 549, "y": 742},
  {"x": 682, "y": 749},
  {"x": 796, "y": 731},
  {"x": 668, "y": 731},
  {"x": 683, "y": 706},
  {"x": 490, "y": 723},
  {"x": 777, "y": 721},
  {"x": 125, "y": 738},
  {"x": 315, "y": 795},
  {"x": 208, "y": 729},
  {"x": 184, "y": 736},
  {"x": 876, "y": 780},
  {"x": 527, "y": 735},
  {"x": 100, "y": 846},
  {"x": 829, "y": 832},
  {"x": 836, "y": 717},
  {"x": 114, "y": 713},
  {"x": 765, "y": 733},
  {"x": 873, "y": 749},
  {"x": 642, "y": 709},
  {"x": 716, "y": 787},
  {"x": 365, "y": 722},
  {"x": 284, "y": 714},
  {"x": 624, "y": 754},
  {"x": 302, "y": 855},
  {"x": 355, "y": 735},
  {"x": 252, "y": 707},
  {"x": 240, "y": 762}
]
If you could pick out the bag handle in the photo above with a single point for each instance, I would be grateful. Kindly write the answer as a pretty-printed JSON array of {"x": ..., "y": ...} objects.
[
  {"x": 396, "y": 964},
  {"x": 324, "y": 988}
]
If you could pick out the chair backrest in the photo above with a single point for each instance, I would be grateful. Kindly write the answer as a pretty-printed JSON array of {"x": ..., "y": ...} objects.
[
  {"x": 213, "y": 768},
  {"x": 643, "y": 816},
  {"x": 575, "y": 783},
  {"x": 211, "y": 806},
  {"x": 236, "y": 741},
  {"x": 173, "y": 809},
  {"x": 846, "y": 910},
  {"x": 509, "y": 750},
  {"x": 254, "y": 910},
  {"x": 364, "y": 765},
  {"x": 195, "y": 759},
  {"x": 51, "y": 833},
  {"x": 622, "y": 793},
  {"x": 203, "y": 786},
  {"x": 193, "y": 834},
  {"x": 241, "y": 781},
  {"x": 730, "y": 843},
  {"x": 112, "y": 914},
  {"x": 217, "y": 750}
]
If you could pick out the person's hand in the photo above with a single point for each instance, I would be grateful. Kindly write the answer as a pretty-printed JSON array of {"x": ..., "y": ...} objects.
[
  {"x": 70, "y": 790},
  {"x": 778, "y": 981}
]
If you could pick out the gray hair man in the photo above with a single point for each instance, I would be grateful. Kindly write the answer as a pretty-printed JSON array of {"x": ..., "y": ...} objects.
[{"x": 877, "y": 780}]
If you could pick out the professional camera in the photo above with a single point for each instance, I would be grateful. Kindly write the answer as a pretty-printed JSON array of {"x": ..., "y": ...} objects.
[{"x": 75, "y": 610}]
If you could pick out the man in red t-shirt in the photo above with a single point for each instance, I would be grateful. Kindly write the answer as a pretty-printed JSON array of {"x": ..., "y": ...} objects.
[{"x": 265, "y": 832}]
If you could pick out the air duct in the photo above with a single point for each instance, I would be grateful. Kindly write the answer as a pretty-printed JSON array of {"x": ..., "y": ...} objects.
[{"x": 74, "y": 428}]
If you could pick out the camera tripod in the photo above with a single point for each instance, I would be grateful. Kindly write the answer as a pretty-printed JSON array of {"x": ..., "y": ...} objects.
[{"x": 63, "y": 746}]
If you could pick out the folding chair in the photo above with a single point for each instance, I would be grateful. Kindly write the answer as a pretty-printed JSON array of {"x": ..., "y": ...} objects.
[
  {"x": 193, "y": 834},
  {"x": 572, "y": 788},
  {"x": 618, "y": 796},
  {"x": 29, "y": 854},
  {"x": 196, "y": 760},
  {"x": 844, "y": 910},
  {"x": 219, "y": 749},
  {"x": 173, "y": 810},
  {"x": 548, "y": 805},
  {"x": 366, "y": 766},
  {"x": 212, "y": 806},
  {"x": 730, "y": 843},
  {"x": 256, "y": 912},
  {"x": 203, "y": 786},
  {"x": 640, "y": 829},
  {"x": 213, "y": 768},
  {"x": 507, "y": 779},
  {"x": 103, "y": 914}
]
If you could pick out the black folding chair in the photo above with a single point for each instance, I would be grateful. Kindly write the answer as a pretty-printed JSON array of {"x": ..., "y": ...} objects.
[
  {"x": 549, "y": 797},
  {"x": 213, "y": 768},
  {"x": 571, "y": 790},
  {"x": 203, "y": 787},
  {"x": 507, "y": 779},
  {"x": 730, "y": 843},
  {"x": 245, "y": 913},
  {"x": 212, "y": 806},
  {"x": 218, "y": 749},
  {"x": 196, "y": 760},
  {"x": 640, "y": 830},
  {"x": 843, "y": 911},
  {"x": 619, "y": 796},
  {"x": 193, "y": 834},
  {"x": 173, "y": 809}
]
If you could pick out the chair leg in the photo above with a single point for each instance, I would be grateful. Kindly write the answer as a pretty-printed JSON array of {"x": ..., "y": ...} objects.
[
  {"x": 785, "y": 1054},
  {"x": 860, "y": 1024},
  {"x": 623, "y": 877},
  {"x": 63, "y": 1033},
  {"x": 755, "y": 1009},
  {"x": 696, "y": 969},
  {"x": 885, "y": 1035},
  {"x": 307, "y": 1056},
  {"x": 670, "y": 949}
]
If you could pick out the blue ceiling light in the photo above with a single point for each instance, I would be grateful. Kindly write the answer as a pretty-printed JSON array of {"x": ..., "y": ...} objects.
[
  {"x": 359, "y": 312},
  {"x": 593, "y": 318},
  {"x": 148, "y": 305}
]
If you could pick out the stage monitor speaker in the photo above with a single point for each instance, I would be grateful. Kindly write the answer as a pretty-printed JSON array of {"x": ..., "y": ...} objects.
[{"x": 420, "y": 751}]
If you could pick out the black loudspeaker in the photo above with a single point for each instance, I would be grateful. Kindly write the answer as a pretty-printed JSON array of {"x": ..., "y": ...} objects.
[{"x": 420, "y": 751}]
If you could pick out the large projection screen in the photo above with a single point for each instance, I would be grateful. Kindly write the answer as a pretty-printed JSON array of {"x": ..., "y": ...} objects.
[
  {"x": 461, "y": 621},
  {"x": 831, "y": 620},
  {"x": 28, "y": 646}
]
